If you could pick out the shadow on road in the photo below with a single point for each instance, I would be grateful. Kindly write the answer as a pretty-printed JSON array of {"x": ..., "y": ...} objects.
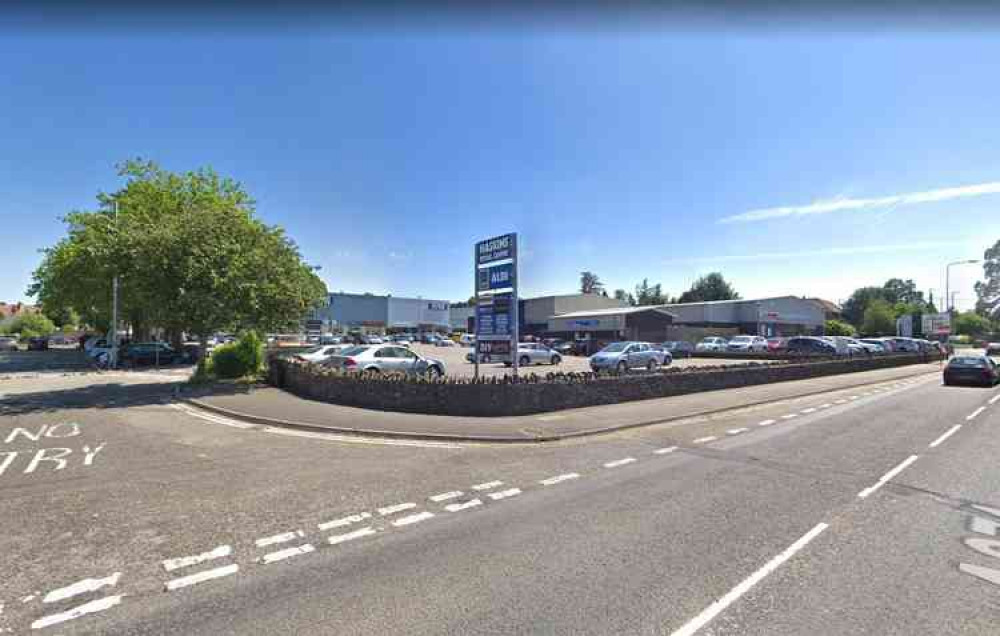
[{"x": 103, "y": 395}]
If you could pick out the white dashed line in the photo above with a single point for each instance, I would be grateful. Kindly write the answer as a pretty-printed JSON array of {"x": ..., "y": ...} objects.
[
  {"x": 841, "y": 401},
  {"x": 445, "y": 496},
  {"x": 746, "y": 584},
  {"x": 391, "y": 510},
  {"x": 889, "y": 475},
  {"x": 951, "y": 431},
  {"x": 488, "y": 485},
  {"x": 551, "y": 481},
  {"x": 766, "y": 423},
  {"x": 81, "y": 587},
  {"x": 994, "y": 399},
  {"x": 279, "y": 538},
  {"x": 417, "y": 518},
  {"x": 808, "y": 411},
  {"x": 665, "y": 451},
  {"x": 789, "y": 416},
  {"x": 350, "y": 536},
  {"x": 201, "y": 577},
  {"x": 984, "y": 526},
  {"x": 736, "y": 431},
  {"x": 987, "y": 574},
  {"x": 705, "y": 440},
  {"x": 990, "y": 511},
  {"x": 182, "y": 562},
  {"x": 854, "y": 397},
  {"x": 281, "y": 555},
  {"x": 619, "y": 462},
  {"x": 465, "y": 505},
  {"x": 344, "y": 521},
  {"x": 503, "y": 494},
  {"x": 973, "y": 415},
  {"x": 99, "y": 605},
  {"x": 825, "y": 406}
]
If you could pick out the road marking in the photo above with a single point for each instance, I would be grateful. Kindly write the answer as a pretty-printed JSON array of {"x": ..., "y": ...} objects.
[
  {"x": 889, "y": 475},
  {"x": 350, "y": 536},
  {"x": 344, "y": 521},
  {"x": 211, "y": 418},
  {"x": 550, "y": 418},
  {"x": 736, "y": 431},
  {"x": 789, "y": 416},
  {"x": 951, "y": 431},
  {"x": 983, "y": 526},
  {"x": 503, "y": 494},
  {"x": 664, "y": 451},
  {"x": 994, "y": 399},
  {"x": 973, "y": 415},
  {"x": 619, "y": 462},
  {"x": 854, "y": 397},
  {"x": 445, "y": 496},
  {"x": 99, "y": 605},
  {"x": 279, "y": 538},
  {"x": 465, "y": 505},
  {"x": 391, "y": 510},
  {"x": 840, "y": 401},
  {"x": 705, "y": 440},
  {"x": 201, "y": 577},
  {"x": 825, "y": 406},
  {"x": 487, "y": 485},
  {"x": 987, "y": 574},
  {"x": 989, "y": 547},
  {"x": 558, "y": 479},
  {"x": 417, "y": 518},
  {"x": 81, "y": 587},
  {"x": 808, "y": 411},
  {"x": 746, "y": 584},
  {"x": 281, "y": 555},
  {"x": 183, "y": 562},
  {"x": 766, "y": 423},
  {"x": 990, "y": 511}
]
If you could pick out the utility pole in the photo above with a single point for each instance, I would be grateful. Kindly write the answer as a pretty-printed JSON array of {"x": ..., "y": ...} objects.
[{"x": 114, "y": 307}]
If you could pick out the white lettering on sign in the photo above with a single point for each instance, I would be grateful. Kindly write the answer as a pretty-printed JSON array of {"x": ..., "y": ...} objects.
[{"x": 499, "y": 277}]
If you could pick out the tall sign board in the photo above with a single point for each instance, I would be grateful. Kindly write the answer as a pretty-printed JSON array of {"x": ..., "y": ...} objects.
[{"x": 496, "y": 299}]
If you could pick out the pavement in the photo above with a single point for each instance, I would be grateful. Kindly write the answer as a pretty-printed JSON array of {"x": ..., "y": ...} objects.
[
  {"x": 866, "y": 510},
  {"x": 273, "y": 407}
]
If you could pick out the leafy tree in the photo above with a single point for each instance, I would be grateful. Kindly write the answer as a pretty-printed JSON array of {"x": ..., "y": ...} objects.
[
  {"x": 623, "y": 296},
  {"x": 62, "y": 317},
  {"x": 853, "y": 309},
  {"x": 590, "y": 283},
  {"x": 969, "y": 323},
  {"x": 988, "y": 289},
  {"x": 31, "y": 325},
  {"x": 646, "y": 294},
  {"x": 879, "y": 319},
  {"x": 903, "y": 291},
  {"x": 838, "y": 328},
  {"x": 190, "y": 253},
  {"x": 710, "y": 287}
]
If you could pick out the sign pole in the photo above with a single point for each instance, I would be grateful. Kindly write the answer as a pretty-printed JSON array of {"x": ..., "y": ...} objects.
[
  {"x": 475, "y": 296},
  {"x": 514, "y": 312}
]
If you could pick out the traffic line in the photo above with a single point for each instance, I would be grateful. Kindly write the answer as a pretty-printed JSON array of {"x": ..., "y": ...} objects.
[
  {"x": 825, "y": 406},
  {"x": 488, "y": 485},
  {"x": 281, "y": 555},
  {"x": 746, "y": 584},
  {"x": 465, "y": 505},
  {"x": 344, "y": 521},
  {"x": 889, "y": 475},
  {"x": 808, "y": 411},
  {"x": 984, "y": 573},
  {"x": 391, "y": 510},
  {"x": 503, "y": 494},
  {"x": 994, "y": 399},
  {"x": 973, "y": 415},
  {"x": 183, "y": 562},
  {"x": 854, "y": 397},
  {"x": 665, "y": 451},
  {"x": 350, "y": 536},
  {"x": 551, "y": 481},
  {"x": 445, "y": 496},
  {"x": 92, "y": 607},
  {"x": 81, "y": 587},
  {"x": 766, "y": 423},
  {"x": 619, "y": 462},
  {"x": 840, "y": 401},
  {"x": 951, "y": 431},
  {"x": 705, "y": 440},
  {"x": 411, "y": 519},
  {"x": 279, "y": 538},
  {"x": 736, "y": 431},
  {"x": 789, "y": 416},
  {"x": 201, "y": 577}
]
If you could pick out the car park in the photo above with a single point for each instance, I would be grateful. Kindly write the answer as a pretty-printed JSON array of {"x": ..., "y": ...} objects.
[
  {"x": 8, "y": 343},
  {"x": 810, "y": 345},
  {"x": 320, "y": 353},
  {"x": 623, "y": 356},
  {"x": 679, "y": 348},
  {"x": 384, "y": 359},
  {"x": 747, "y": 344},
  {"x": 712, "y": 343},
  {"x": 529, "y": 353},
  {"x": 980, "y": 370},
  {"x": 146, "y": 353}
]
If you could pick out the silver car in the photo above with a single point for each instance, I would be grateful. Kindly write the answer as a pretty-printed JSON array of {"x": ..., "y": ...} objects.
[
  {"x": 384, "y": 359},
  {"x": 622, "y": 356},
  {"x": 529, "y": 353}
]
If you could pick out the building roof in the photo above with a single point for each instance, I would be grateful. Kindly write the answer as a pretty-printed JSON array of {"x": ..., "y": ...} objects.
[
  {"x": 829, "y": 307},
  {"x": 614, "y": 311}
]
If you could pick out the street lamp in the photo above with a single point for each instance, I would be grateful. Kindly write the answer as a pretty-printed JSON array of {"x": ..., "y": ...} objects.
[{"x": 947, "y": 282}]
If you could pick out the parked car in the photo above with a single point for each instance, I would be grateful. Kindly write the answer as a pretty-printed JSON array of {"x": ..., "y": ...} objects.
[
  {"x": 747, "y": 344},
  {"x": 777, "y": 345},
  {"x": 971, "y": 369},
  {"x": 711, "y": 343},
  {"x": 8, "y": 343},
  {"x": 38, "y": 343},
  {"x": 372, "y": 339},
  {"x": 993, "y": 349},
  {"x": 873, "y": 345},
  {"x": 847, "y": 346},
  {"x": 467, "y": 340},
  {"x": 144, "y": 353},
  {"x": 906, "y": 344},
  {"x": 329, "y": 339},
  {"x": 320, "y": 353},
  {"x": 810, "y": 345},
  {"x": 96, "y": 347},
  {"x": 529, "y": 353},
  {"x": 384, "y": 359},
  {"x": 622, "y": 356},
  {"x": 679, "y": 348},
  {"x": 444, "y": 342}
]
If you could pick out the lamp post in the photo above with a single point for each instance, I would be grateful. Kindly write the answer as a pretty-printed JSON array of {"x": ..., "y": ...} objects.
[{"x": 947, "y": 282}]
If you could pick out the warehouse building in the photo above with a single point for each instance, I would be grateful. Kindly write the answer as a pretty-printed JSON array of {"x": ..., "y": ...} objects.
[{"x": 369, "y": 313}]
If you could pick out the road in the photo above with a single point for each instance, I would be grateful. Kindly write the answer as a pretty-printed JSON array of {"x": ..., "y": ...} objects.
[{"x": 869, "y": 510}]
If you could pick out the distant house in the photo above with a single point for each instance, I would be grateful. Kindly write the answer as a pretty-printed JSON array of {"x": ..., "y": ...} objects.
[{"x": 12, "y": 310}]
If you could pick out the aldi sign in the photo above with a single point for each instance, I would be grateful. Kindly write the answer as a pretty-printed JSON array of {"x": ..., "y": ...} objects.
[{"x": 495, "y": 275}]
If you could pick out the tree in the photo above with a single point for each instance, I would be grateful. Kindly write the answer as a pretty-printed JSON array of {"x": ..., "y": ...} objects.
[
  {"x": 65, "y": 318},
  {"x": 31, "y": 325},
  {"x": 190, "y": 254},
  {"x": 838, "y": 328},
  {"x": 988, "y": 289},
  {"x": 969, "y": 323},
  {"x": 625, "y": 297},
  {"x": 590, "y": 283},
  {"x": 879, "y": 319},
  {"x": 646, "y": 294},
  {"x": 853, "y": 310},
  {"x": 898, "y": 290},
  {"x": 710, "y": 287}
]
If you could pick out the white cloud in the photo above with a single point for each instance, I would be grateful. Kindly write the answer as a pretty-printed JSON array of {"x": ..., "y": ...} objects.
[
  {"x": 831, "y": 251},
  {"x": 843, "y": 204}
]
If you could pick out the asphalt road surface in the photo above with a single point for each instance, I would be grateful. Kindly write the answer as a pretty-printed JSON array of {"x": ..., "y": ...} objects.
[{"x": 873, "y": 511}]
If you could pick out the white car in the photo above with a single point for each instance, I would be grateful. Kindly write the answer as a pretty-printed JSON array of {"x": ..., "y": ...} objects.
[
  {"x": 533, "y": 353},
  {"x": 711, "y": 343},
  {"x": 444, "y": 342},
  {"x": 320, "y": 353},
  {"x": 747, "y": 344},
  {"x": 467, "y": 340}
]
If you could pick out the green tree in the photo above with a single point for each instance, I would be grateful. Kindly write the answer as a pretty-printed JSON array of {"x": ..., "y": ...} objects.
[
  {"x": 879, "y": 319},
  {"x": 969, "y": 323},
  {"x": 623, "y": 296},
  {"x": 646, "y": 294},
  {"x": 988, "y": 289},
  {"x": 31, "y": 325},
  {"x": 853, "y": 309},
  {"x": 709, "y": 287},
  {"x": 898, "y": 290},
  {"x": 190, "y": 253},
  {"x": 65, "y": 318},
  {"x": 590, "y": 283},
  {"x": 838, "y": 328}
]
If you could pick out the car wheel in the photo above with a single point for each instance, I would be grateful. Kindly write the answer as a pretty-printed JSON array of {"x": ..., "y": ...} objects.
[
  {"x": 652, "y": 366},
  {"x": 523, "y": 361},
  {"x": 435, "y": 371},
  {"x": 555, "y": 360},
  {"x": 622, "y": 367}
]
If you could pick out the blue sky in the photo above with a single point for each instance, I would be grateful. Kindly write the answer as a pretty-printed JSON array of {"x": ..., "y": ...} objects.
[{"x": 628, "y": 153}]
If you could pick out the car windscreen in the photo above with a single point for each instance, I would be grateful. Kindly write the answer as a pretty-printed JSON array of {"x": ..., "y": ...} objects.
[
  {"x": 740, "y": 339},
  {"x": 353, "y": 351},
  {"x": 615, "y": 347},
  {"x": 968, "y": 362}
]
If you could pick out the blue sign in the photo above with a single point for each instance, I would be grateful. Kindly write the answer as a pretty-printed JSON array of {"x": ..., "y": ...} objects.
[
  {"x": 491, "y": 322},
  {"x": 496, "y": 249},
  {"x": 495, "y": 277}
]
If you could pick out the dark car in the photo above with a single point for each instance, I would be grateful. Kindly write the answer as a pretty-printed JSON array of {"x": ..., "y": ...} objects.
[
  {"x": 679, "y": 348},
  {"x": 808, "y": 345},
  {"x": 146, "y": 353},
  {"x": 971, "y": 370},
  {"x": 38, "y": 344}
]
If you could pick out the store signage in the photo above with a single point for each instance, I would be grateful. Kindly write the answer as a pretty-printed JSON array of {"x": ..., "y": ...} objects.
[{"x": 495, "y": 275}]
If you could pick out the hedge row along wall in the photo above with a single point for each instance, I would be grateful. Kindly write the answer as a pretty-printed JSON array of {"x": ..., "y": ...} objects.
[{"x": 494, "y": 397}]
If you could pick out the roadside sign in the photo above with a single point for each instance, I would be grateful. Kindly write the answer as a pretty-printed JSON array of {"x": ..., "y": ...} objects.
[
  {"x": 495, "y": 276},
  {"x": 497, "y": 248}
]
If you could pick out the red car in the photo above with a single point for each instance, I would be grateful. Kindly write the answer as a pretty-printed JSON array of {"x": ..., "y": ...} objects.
[{"x": 777, "y": 345}]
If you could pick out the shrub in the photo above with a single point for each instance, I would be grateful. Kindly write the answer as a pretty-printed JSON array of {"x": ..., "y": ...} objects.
[{"x": 245, "y": 357}]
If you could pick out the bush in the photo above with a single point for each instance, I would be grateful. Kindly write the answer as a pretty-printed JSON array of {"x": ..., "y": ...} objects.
[
  {"x": 839, "y": 328},
  {"x": 242, "y": 358}
]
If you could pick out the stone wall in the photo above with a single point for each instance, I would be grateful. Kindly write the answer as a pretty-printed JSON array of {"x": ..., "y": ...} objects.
[{"x": 492, "y": 397}]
